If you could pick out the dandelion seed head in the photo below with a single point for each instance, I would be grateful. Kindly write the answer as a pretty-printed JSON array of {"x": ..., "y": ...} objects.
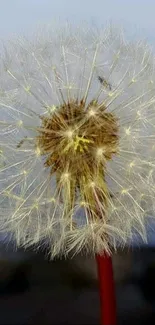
[{"x": 77, "y": 129}]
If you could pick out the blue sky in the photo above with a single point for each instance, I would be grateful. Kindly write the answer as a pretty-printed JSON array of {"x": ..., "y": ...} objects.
[{"x": 17, "y": 16}]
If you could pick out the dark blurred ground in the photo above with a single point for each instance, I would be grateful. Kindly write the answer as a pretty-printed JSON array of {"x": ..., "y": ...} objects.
[{"x": 36, "y": 291}]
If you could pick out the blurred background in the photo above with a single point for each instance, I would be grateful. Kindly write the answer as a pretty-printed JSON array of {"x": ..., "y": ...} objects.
[{"x": 34, "y": 290}]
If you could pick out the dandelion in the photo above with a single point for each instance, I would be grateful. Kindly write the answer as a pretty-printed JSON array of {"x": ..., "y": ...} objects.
[
  {"x": 77, "y": 144},
  {"x": 77, "y": 139}
]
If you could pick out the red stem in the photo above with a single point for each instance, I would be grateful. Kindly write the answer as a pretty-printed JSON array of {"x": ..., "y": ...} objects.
[{"x": 107, "y": 291}]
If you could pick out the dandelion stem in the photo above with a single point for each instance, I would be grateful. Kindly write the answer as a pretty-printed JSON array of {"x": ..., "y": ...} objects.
[{"x": 106, "y": 289}]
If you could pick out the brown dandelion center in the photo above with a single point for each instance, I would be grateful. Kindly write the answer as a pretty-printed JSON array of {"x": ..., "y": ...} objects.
[{"x": 76, "y": 142}]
